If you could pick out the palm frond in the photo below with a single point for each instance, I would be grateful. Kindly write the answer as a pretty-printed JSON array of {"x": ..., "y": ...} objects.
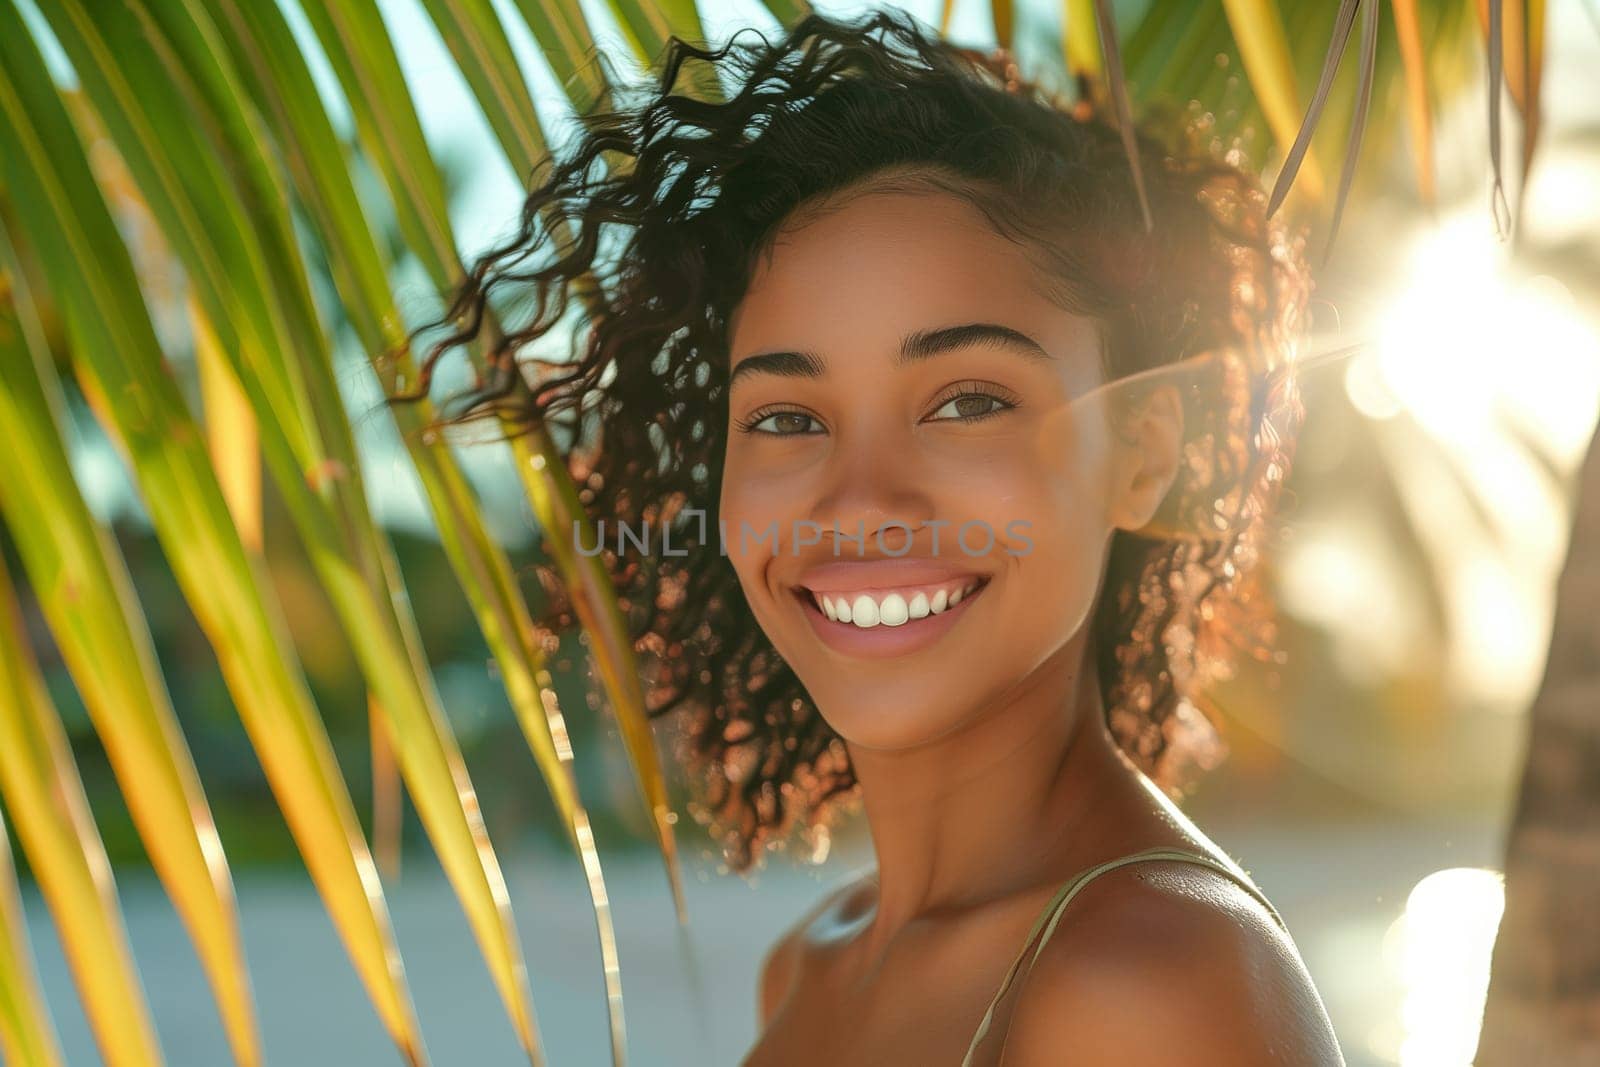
[
  {"x": 1495, "y": 44},
  {"x": 122, "y": 370},
  {"x": 1257, "y": 26},
  {"x": 1408, "y": 30},
  {"x": 554, "y": 500},
  {"x": 40, "y": 784},
  {"x": 1080, "y": 35},
  {"x": 286, "y": 369},
  {"x": 89, "y": 600},
  {"x": 568, "y": 44},
  {"x": 1106, "y": 25},
  {"x": 1358, "y": 122},
  {"x": 1004, "y": 17},
  {"x": 1302, "y": 141},
  {"x": 26, "y": 1034}
]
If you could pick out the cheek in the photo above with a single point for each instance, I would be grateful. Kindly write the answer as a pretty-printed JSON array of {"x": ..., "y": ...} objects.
[
  {"x": 1057, "y": 536},
  {"x": 1051, "y": 492},
  {"x": 758, "y": 497},
  {"x": 753, "y": 515},
  {"x": 1048, "y": 501},
  {"x": 731, "y": 509}
]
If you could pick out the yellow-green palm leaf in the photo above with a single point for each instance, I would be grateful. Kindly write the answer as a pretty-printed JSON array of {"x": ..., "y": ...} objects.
[
  {"x": 88, "y": 598},
  {"x": 40, "y": 784},
  {"x": 363, "y": 58},
  {"x": 87, "y": 267},
  {"x": 232, "y": 197},
  {"x": 26, "y": 1036}
]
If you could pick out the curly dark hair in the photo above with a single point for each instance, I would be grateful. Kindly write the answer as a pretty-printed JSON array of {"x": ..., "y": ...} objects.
[{"x": 668, "y": 202}]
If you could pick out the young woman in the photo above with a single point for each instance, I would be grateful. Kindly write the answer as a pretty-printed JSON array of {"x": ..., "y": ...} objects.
[{"x": 963, "y": 469}]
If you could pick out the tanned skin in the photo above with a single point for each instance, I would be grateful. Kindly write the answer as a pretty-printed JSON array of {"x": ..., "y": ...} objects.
[{"x": 987, "y": 772}]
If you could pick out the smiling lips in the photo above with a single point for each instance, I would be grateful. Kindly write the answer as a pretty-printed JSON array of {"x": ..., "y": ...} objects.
[
  {"x": 867, "y": 608},
  {"x": 885, "y": 607}
]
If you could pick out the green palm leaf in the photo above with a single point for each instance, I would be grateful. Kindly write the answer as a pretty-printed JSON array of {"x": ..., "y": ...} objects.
[
  {"x": 1105, "y": 24},
  {"x": 648, "y": 24},
  {"x": 1408, "y": 30},
  {"x": 306, "y": 434},
  {"x": 280, "y": 81},
  {"x": 363, "y": 58},
  {"x": 1080, "y": 38},
  {"x": 555, "y": 503},
  {"x": 26, "y": 1035},
  {"x": 1495, "y": 34},
  {"x": 475, "y": 37},
  {"x": 568, "y": 45},
  {"x": 1302, "y": 141},
  {"x": 1358, "y": 124},
  {"x": 41, "y": 787},
  {"x": 87, "y": 267},
  {"x": 88, "y": 598},
  {"x": 1264, "y": 45}
]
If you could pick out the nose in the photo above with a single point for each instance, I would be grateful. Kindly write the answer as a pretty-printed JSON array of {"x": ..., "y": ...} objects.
[{"x": 874, "y": 488}]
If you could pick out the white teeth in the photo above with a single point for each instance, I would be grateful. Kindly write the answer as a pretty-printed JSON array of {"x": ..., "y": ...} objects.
[{"x": 893, "y": 612}]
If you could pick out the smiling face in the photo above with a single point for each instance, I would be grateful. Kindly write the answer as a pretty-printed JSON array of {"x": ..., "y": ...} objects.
[{"x": 897, "y": 373}]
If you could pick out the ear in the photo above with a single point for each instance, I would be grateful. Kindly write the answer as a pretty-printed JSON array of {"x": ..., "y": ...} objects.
[{"x": 1148, "y": 448}]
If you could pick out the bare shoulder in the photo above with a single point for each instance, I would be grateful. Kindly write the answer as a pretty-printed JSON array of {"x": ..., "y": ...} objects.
[
  {"x": 1164, "y": 964},
  {"x": 781, "y": 964}
]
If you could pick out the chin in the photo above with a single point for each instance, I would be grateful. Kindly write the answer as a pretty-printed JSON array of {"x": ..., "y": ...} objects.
[{"x": 899, "y": 714}]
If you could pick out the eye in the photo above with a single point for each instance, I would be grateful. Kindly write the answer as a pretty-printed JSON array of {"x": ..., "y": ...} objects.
[
  {"x": 972, "y": 401},
  {"x": 782, "y": 423}
]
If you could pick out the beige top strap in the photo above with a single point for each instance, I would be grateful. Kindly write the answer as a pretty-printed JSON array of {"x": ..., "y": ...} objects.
[{"x": 1051, "y": 916}]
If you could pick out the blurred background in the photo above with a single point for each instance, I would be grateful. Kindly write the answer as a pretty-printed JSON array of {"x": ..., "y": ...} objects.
[{"x": 1372, "y": 773}]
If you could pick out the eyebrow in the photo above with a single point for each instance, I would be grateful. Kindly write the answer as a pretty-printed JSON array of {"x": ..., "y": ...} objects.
[{"x": 914, "y": 347}]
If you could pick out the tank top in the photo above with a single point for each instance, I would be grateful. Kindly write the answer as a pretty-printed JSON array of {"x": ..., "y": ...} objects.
[{"x": 1051, "y": 916}]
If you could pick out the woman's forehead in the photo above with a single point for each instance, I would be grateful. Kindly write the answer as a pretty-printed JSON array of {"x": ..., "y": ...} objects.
[
  {"x": 884, "y": 266},
  {"x": 891, "y": 238}
]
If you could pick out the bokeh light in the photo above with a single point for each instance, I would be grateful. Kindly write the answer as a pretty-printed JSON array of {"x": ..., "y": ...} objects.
[{"x": 1441, "y": 947}]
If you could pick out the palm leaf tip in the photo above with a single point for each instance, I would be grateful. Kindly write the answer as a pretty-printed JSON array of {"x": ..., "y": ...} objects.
[
  {"x": 1408, "y": 31},
  {"x": 1004, "y": 16},
  {"x": 1302, "y": 142},
  {"x": 1078, "y": 28},
  {"x": 1117, "y": 83},
  {"x": 1497, "y": 193},
  {"x": 1358, "y": 122}
]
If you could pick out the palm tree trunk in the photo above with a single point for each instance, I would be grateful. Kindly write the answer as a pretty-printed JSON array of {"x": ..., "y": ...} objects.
[{"x": 1543, "y": 1002}]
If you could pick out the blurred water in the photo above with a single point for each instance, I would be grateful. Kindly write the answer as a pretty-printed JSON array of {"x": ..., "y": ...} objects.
[{"x": 1339, "y": 887}]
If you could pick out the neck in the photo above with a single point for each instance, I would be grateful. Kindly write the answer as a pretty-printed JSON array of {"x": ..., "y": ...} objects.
[{"x": 989, "y": 808}]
